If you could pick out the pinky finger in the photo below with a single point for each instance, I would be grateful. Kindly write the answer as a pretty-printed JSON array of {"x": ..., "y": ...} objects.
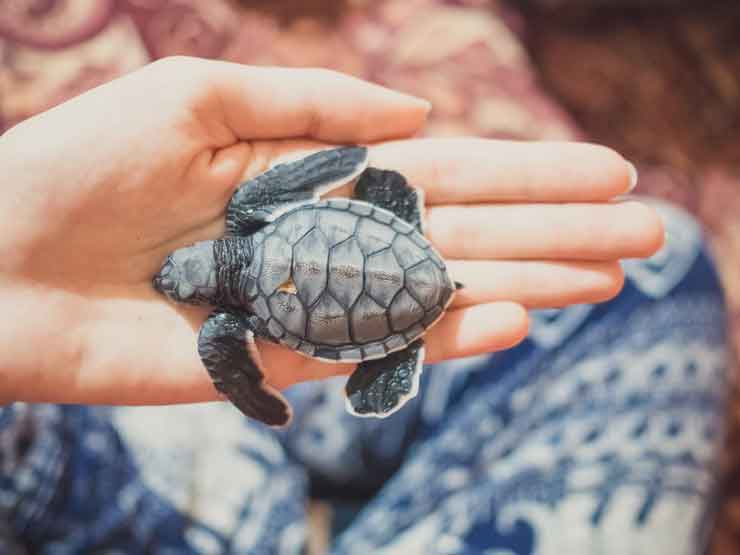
[{"x": 477, "y": 330}]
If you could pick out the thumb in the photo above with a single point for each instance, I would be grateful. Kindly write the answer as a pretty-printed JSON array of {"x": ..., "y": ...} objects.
[{"x": 270, "y": 103}]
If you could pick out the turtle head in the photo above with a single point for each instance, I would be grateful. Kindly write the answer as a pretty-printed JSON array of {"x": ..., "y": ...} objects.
[{"x": 189, "y": 274}]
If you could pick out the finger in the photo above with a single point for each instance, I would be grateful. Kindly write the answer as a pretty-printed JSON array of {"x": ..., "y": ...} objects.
[
  {"x": 476, "y": 330},
  {"x": 547, "y": 231},
  {"x": 266, "y": 103},
  {"x": 480, "y": 170},
  {"x": 535, "y": 284}
]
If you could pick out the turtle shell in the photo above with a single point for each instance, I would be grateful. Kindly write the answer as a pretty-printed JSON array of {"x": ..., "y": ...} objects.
[{"x": 344, "y": 280}]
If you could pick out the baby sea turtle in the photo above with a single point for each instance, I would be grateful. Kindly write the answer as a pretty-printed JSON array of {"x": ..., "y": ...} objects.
[{"x": 342, "y": 280}]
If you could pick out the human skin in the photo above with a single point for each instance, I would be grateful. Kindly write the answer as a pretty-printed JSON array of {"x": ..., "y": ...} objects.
[{"x": 98, "y": 190}]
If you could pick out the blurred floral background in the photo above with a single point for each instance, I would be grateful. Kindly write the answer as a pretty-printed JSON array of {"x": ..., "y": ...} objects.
[{"x": 661, "y": 84}]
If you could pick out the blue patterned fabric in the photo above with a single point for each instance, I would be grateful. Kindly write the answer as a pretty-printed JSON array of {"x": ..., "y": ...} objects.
[{"x": 599, "y": 434}]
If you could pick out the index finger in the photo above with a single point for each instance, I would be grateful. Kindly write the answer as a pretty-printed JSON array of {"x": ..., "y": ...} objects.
[{"x": 463, "y": 171}]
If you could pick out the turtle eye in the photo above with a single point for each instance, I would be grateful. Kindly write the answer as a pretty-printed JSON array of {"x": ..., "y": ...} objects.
[{"x": 288, "y": 287}]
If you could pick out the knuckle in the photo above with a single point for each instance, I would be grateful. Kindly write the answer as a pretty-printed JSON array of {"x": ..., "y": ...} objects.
[{"x": 179, "y": 81}]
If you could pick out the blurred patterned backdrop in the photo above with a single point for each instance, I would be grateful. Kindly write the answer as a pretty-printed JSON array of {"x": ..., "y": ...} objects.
[{"x": 660, "y": 84}]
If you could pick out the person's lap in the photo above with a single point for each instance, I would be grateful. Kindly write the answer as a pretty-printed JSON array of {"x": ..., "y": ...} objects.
[{"x": 598, "y": 434}]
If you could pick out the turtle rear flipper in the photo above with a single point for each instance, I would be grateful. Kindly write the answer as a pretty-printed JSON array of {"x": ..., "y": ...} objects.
[
  {"x": 381, "y": 387},
  {"x": 390, "y": 190},
  {"x": 227, "y": 348},
  {"x": 260, "y": 200}
]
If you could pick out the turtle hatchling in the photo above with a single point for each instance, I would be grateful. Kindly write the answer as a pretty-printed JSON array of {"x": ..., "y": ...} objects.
[{"x": 341, "y": 280}]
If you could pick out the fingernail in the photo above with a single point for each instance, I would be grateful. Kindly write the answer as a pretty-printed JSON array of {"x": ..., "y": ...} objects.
[{"x": 633, "y": 176}]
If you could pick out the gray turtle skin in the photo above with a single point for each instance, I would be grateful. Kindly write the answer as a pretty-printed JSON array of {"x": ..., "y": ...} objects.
[{"x": 342, "y": 280}]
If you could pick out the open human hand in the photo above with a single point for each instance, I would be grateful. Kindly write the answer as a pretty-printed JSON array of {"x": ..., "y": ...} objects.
[{"x": 100, "y": 189}]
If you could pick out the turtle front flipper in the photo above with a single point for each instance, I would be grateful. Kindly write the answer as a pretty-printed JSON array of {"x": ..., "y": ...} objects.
[
  {"x": 260, "y": 200},
  {"x": 389, "y": 190},
  {"x": 381, "y": 387},
  {"x": 227, "y": 348}
]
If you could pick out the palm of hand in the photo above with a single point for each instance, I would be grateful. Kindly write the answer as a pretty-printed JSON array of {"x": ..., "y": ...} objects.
[{"x": 85, "y": 244}]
